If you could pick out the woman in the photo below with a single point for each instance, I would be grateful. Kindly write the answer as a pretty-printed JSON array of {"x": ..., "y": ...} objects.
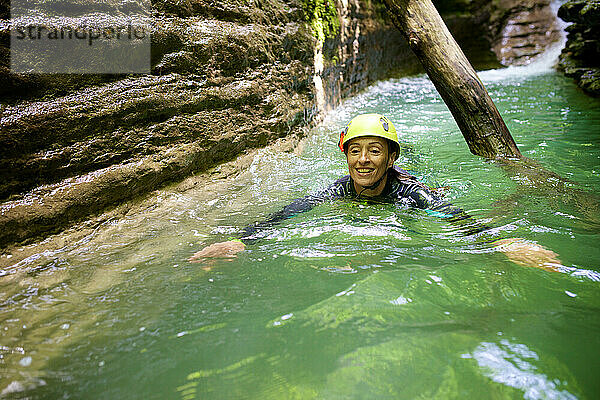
[{"x": 370, "y": 143}]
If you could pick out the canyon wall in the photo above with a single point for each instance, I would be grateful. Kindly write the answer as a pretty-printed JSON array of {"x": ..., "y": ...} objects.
[{"x": 227, "y": 76}]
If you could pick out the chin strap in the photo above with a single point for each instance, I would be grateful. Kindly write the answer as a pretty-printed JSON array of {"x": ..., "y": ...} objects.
[{"x": 375, "y": 185}]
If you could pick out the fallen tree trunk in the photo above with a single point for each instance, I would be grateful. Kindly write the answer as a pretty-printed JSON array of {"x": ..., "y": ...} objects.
[
  {"x": 474, "y": 111},
  {"x": 454, "y": 78}
]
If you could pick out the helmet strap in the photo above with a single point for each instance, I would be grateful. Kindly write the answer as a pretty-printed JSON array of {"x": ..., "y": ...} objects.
[{"x": 376, "y": 184}]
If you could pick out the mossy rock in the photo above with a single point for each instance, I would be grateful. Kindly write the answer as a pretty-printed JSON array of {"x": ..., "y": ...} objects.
[
  {"x": 580, "y": 59},
  {"x": 590, "y": 81},
  {"x": 322, "y": 17},
  {"x": 586, "y": 12}
]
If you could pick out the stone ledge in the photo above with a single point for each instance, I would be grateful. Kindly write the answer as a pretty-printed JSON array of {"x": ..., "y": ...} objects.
[
  {"x": 49, "y": 141},
  {"x": 51, "y": 208}
]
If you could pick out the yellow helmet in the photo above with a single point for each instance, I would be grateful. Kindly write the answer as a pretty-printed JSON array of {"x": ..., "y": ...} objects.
[{"x": 368, "y": 125}]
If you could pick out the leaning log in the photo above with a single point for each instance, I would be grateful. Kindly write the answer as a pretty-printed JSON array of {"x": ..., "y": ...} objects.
[
  {"x": 454, "y": 78},
  {"x": 474, "y": 111}
]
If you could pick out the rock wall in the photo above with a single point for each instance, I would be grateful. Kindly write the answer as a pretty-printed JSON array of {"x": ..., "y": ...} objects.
[
  {"x": 522, "y": 30},
  {"x": 580, "y": 59},
  {"x": 368, "y": 47},
  {"x": 227, "y": 76}
]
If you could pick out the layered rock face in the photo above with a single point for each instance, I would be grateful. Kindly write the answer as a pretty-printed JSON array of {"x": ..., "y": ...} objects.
[
  {"x": 580, "y": 59},
  {"x": 522, "y": 30},
  {"x": 227, "y": 76}
]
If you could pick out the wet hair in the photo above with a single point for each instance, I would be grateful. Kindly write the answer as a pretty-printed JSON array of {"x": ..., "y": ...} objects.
[{"x": 393, "y": 147}]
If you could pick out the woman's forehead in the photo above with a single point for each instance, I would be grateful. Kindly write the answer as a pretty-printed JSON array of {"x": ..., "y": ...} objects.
[{"x": 366, "y": 140}]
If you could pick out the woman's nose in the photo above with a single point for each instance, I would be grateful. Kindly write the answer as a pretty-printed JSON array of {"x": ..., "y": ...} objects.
[{"x": 364, "y": 157}]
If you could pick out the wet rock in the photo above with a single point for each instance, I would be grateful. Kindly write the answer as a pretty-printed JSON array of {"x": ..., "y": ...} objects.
[
  {"x": 193, "y": 126},
  {"x": 583, "y": 12},
  {"x": 580, "y": 59},
  {"x": 523, "y": 30},
  {"x": 226, "y": 76},
  {"x": 227, "y": 47},
  {"x": 107, "y": 125}
]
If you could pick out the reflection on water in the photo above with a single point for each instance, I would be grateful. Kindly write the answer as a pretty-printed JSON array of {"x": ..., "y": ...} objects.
[
  {"x": 348, "y": 300},
  {"x": 508, "y": 364}
]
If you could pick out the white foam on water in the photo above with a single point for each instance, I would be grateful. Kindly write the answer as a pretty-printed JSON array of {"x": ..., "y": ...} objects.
[{"x": 510, "y": 364}]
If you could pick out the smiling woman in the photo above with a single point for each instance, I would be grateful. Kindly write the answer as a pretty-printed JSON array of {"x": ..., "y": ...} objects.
[
  {"x": 368, "y": 160},
  {"x": 370, "y": 143}
]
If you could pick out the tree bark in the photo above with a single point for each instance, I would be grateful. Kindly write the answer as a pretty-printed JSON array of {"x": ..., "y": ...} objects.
[
  {"x": 474, "y": 111},
  {"x": 454, "y": 78}
]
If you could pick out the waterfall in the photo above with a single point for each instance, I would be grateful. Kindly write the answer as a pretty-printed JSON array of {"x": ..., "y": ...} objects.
[{"x": 544, "y": 63}]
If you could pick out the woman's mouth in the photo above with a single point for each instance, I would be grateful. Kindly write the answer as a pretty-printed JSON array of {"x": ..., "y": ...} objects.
[{"x": 364, "y": 171}]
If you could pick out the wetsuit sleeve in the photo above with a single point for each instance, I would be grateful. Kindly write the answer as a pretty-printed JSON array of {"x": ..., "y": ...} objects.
[
  {"x": 338, "y": 190},
  {"x": 434, "y": 205}
]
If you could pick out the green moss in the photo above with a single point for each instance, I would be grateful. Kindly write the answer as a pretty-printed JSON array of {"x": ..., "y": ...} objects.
[
  {"x": 322, "y": 17},
  {"x": 590, "y": 81}
]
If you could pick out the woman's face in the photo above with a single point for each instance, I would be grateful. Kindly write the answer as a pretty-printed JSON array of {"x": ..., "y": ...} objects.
[{"x": 368, "y": 160}]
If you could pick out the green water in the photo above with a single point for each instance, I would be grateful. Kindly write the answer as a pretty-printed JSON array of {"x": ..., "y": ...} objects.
[{"x": 347, "y": 301}]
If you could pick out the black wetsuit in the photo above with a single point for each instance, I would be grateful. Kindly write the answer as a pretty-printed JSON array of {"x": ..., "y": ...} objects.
[{"x": 401, "y": 188}]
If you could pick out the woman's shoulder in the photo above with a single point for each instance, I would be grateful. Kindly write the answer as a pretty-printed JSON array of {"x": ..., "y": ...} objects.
[
  {"x": 343, "y": 180},
  {"x": 407, "y": 185},
  {"x": 405, "y": 178},
  {"x": 340, "y": 188}
]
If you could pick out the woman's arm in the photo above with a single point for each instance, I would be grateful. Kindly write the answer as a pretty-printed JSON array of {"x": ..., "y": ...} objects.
[
  {"x": 529, "y": 254},
  {"x": 519, "y": 251},
  {"x": 253, "y": 232},
  {"x": 228, "y": 250},
  {"x": 223, "y": 250},
  {"x": 421, "y": 196}
]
